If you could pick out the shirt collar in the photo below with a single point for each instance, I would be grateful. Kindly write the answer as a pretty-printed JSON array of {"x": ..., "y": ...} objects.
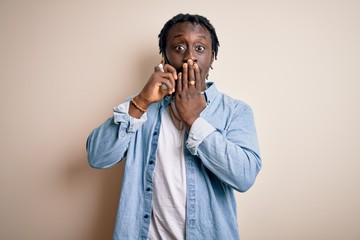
[{"x": 210, "y": 92}]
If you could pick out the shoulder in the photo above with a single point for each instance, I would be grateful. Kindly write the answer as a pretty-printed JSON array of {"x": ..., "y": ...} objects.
[
  {"x": 237, "y": 104},
  {"x": 233, "y": 104}
]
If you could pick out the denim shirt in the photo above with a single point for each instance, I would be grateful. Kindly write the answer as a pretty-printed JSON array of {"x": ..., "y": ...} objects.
[{"x": 221, "y": 155}]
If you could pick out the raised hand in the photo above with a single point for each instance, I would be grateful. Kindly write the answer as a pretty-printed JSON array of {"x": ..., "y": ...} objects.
[
  {"x": 188, "y": 99},
  {"x": 153, "y": 90}
]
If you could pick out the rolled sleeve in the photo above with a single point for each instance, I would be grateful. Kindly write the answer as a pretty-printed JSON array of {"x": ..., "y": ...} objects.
[
  {"x": 121, "y": 115},
  {"x": 198, "y": 132}
]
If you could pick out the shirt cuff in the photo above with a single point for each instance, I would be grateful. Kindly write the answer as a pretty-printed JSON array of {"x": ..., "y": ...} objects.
[
  {"x": 121, "y": 115},
  {"x": 199, "y": 130}
]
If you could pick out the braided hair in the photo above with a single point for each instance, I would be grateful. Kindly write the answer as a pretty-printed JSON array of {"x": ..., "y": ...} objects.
[{"x": 195, "y": 19}]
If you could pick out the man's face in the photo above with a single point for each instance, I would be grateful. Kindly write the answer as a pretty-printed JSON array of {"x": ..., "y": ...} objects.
[{"x": 185, "y": 41}]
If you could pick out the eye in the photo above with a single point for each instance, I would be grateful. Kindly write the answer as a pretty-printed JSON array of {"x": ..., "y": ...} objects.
[
  {"x": 179, "y": 48},
  {"x": 200, "y": 48}
]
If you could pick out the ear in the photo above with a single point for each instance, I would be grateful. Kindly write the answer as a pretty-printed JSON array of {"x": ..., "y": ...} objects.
[
  {"x": 212, "y": 59},
  {"x": 166, "y": 60}
]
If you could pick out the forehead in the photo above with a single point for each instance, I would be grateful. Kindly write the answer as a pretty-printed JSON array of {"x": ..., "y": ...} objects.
[{"x": 184, "y": 29}]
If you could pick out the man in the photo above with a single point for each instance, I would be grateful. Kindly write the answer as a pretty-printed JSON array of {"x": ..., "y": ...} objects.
[{"x": 187, "y": 146}]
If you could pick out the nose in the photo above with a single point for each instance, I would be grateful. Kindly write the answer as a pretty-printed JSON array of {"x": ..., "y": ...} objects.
[{"x": 189, "y": 54}]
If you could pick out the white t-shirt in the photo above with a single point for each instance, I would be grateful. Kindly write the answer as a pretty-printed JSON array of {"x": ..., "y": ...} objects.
[{"x": 168, "y": 218}]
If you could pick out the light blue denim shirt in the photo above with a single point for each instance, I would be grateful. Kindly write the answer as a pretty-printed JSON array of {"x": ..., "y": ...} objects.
[{"x": 221, "y": 154}]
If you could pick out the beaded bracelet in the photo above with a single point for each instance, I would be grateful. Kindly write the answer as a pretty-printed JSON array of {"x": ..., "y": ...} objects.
[{"x": 137, "y": 106}]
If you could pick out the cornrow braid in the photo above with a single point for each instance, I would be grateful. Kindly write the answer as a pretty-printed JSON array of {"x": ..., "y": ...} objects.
[{"x": 195, "y": 19}]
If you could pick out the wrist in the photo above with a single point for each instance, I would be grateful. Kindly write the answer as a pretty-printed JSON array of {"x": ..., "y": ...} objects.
[
  {"x": 140, "y": 103},
  {"x": 188, "y": 124}
]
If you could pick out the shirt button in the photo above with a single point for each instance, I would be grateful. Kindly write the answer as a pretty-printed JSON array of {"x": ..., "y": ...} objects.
[
  {"x": 146, "y": 216},
  {"x": 155, "y": 133},
  {"x": 151, "y": 162},
  {"x": 148, "y": 189}
]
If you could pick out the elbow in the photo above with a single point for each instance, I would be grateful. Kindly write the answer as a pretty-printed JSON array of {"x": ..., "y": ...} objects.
[
  {"x": 247, "y": 179},
  {"x": 99, "y": 159},
  {"x": 93, "y": 157},
  {"x": 99, "y": 162},
  {"x": 245, "y": 185},
  {"x": 93, "y": 162},
  {"x": 102, "y": 156},
  {"x": 90, "y": 157},
  {"x": 102, "y": 146}
]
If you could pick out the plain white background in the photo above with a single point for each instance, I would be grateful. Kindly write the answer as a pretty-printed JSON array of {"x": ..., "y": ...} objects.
[{"x": 65, "y": 64}]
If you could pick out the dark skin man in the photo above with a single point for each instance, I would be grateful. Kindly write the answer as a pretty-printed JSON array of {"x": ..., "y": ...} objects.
[{"x": 189, "y": 55}]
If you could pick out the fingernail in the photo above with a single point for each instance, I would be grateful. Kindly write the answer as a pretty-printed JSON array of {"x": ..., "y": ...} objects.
[{"x": 190, "y": 62}]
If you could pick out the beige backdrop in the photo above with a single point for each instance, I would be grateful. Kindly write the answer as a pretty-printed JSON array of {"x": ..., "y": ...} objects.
[{"x": 65, "y": 64}]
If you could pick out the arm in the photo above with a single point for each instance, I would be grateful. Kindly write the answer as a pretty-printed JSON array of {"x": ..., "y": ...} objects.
[
  {"x": 108, "y": 143},
  {"x": 230, "y": 152},
  {"x": 232, "y": 155}
]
